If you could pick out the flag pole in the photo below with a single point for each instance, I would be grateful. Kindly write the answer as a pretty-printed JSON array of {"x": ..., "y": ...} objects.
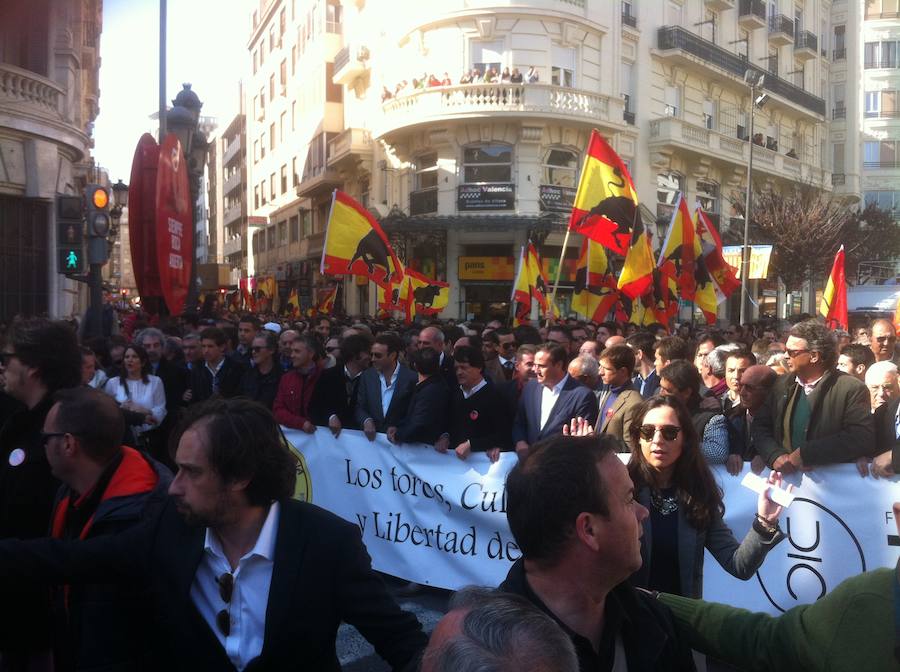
[{"x": 562, "y": 256}]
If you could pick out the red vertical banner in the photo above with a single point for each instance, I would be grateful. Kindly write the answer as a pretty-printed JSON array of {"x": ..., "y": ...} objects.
[
  {"x": 142, "y": 216},
  {"x": 174, "y": 224}
]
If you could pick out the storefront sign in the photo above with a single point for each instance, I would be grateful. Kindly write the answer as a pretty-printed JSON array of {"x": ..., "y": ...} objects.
[
  {"x": 486, "y": 197},
  {"x": 557, "y": 199},
  {"x": 759, "y": 259},
  {"x": 487, "y": 268}
]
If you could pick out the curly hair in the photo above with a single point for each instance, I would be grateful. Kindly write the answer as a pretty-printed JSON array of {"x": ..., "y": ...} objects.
[
  {"x": 819, "y": 338},
  {"x": 51, "y": 348},
  {"x": 694, "y": 483}
]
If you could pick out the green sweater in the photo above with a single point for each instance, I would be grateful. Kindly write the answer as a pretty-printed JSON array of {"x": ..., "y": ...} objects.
[{"x": 851, "y": 628}]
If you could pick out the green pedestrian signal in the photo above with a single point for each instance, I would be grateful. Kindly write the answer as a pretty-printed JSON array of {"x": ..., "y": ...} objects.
[
  {"x": 70, "y": 260},
  {"x": 70, "y": 234}
]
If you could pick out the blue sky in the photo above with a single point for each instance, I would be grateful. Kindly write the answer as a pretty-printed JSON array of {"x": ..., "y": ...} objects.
[{"x": 206, "y": 46}]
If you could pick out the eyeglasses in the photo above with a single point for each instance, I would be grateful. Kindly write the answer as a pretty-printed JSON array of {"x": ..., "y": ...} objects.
[
  {"x": 226, "y": 588},
  {"x": 333, "y": 349},
  {"x": 46, "y": 436},
  {"x": 793, "y": 354},
  {"x": 256, "y": 348},
  {"x": 669, "y": 432},
  {"x": 884, "y": 339},
  {"x": 5, "y": 357},
  {"x": 881, "y": 388}
]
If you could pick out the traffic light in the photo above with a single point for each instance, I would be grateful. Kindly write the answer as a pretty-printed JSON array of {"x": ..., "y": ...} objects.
[
  {"x": 96, "y": 198},
  {"x": 69, "y": 235}
]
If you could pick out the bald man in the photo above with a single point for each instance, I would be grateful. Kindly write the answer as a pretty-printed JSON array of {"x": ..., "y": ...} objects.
[
  {"x": 755, "y": 383},
  {"x": 614, "y": 340},
  {"x": 432, "y": 337},
  {"x": 884, "y": 341}
]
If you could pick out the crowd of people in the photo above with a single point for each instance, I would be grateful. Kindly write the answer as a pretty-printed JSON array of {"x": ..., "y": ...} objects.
[
  {"x": 159, "y": 448},
  {"x": 488, "y": 75}
]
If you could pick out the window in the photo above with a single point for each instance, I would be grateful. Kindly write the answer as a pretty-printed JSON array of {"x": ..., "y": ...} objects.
[
  {"x": 487, "y": 55},
  {"x": 708, "y": 27},
  {"x": 333, "y": 18},
  {"x": 259, "y": 241},
  {"x": 293, "y": 116},
  {"x": 271, "y": 39},
  {"x": 262, "y": 146},
  {"x": 744, "y": 43},
  {"x": 282, "y": 233},
  {"x": 668, "y": 186},
  {"x": 708, "y": 196},
  {"x": 889, "y": 201},
  {"x": 281, "y": 121},
  {"x": 873, "y": 103},
  {"x": 870, "y": 152},
  {"x": 270, "y": 237},
  {"x": 262, "y": 51},
  {"x": 255, "y": 61},
  {"x": 487, "y": 163},
  {"x": 674, "y": 13},
  {"x": 773, "y": 60},
  {"x": 890, "y": 104},
  {"x": 839, "y": 91},
  {"x": 282, "y": 23},
  {"x": 709, "y": 114},
  {"x": 272, "y": 135},
  {"x": 256, "y": 197},
  {"x": 837, "y": 157},
  {"x": 272, "y": 193},
  {"x": 628, "y": 86},
  {"x": 272, "y": 87},
  {"x": 283, "y": 77},
  {"x": 673, "y": 101},
  {"x": 426, "y": 172},
  {"x": 562, "y": 70},
  {"x": 296, "y": 178},
  {"x": 284, "y": 186},
  {"x": 560, "y": 168},
  {"x": 262, "y": 192},
  {"x": 294, "y": 226},
  {"x": 262, "y": 103},
  {"x": 306, "y": 223},
  {"x": 293, "y": 60},
  {"x": 255, "y": 151}
]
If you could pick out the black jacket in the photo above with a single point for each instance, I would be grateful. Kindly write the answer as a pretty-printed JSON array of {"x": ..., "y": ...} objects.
[
  {"x": 259, "y": 387},
  {"x": 885, "y": 418},
  {"x": 426, "y": 417},
  {"x": 102, "y": 626},
  {"x": 201, "y": 381},
  {"x": 322, "y": 576},
  {"x": 647, "y": 628},
  {"x": 483, "y": 419},
  {"x": 332, "y": 398},
  {"x": 369, "y": 397},
  {"x": 27, "y": 492}
]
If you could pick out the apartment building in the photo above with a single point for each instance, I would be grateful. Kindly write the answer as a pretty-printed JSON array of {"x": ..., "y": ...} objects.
[
  {"x": 49, "y": 97},
  {"x": 462, "y": 174}
]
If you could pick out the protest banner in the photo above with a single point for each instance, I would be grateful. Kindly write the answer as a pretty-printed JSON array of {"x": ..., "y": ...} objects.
[{"x": 434, "y": 519}]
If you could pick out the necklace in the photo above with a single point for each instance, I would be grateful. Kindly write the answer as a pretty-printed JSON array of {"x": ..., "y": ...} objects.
[{"x": 664, "y": 504}]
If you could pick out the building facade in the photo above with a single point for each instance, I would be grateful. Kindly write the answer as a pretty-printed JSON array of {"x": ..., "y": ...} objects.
[
  {"x": 370, "y": 97},
  {"x": 49, "y": 97}
]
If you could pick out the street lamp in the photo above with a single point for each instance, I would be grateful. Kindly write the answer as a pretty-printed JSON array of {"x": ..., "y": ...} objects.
[
  {"x": 184, "y": 121},
  {"x": 755, "y": 80},
  {"x": 119, "y": 203}
]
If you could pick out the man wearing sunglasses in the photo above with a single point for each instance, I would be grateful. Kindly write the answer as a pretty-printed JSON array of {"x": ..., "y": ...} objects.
[
  {"x": 884, "y": 342},
  {"x": 239, "y": 575},
  {"x": 815, "y": 415}
]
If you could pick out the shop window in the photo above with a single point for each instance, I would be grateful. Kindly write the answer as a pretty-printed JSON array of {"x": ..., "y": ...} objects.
[
  {"x": 487, "y": 163},
  {"x": 561, "y": 168}
]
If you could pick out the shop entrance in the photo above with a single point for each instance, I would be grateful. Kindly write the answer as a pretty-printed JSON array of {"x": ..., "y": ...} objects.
[{"x": 487, "y": 301}]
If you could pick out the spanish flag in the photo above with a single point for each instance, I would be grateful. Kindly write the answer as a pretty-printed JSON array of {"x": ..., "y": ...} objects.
[
  {"x": 680, "y": 249},
  {"x": 356, "y": 245},
  {"x": 595, "y": 292},
  {"x": 724, "y": 275},
  {"x": 325, "y": 305},
  {"x": 525, "y": 288},
  {"x": 834, "y": 299},
  {"x": 294, "y": 303},
  {"x": 606, "y": 202},
  {"x": 393, "y": 297},
  {"x": 637, "y": 272},
  {"x": 429, "y": 296},
  {"x": 708, "y": 294}
]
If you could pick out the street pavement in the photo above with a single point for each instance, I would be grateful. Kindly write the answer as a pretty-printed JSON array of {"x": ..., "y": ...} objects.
[{"x": 357, "y": 655}]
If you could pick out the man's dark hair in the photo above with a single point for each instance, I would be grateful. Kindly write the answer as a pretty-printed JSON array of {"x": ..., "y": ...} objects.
[
  {"x": 620, "y": 356},
  {"x": 859, "y": 354},
  {"x": 475, "y": 341},
  {"x": 215, "y": 335},
  {"x": 672, "y": 348},
  {"x": 546, "y": 491},
  {"x": 645, "y": 342},
  {"x": 819, "y": 338},
  {"x": 468, "y": 354},
  {"x": 611, "y": 327},
  {"x": 231, "y": 335},
  {"x": 251, "y": 320},
  {"x": 49, "y": 347},
  {"x": 527, "y": 335},
  {"x": 713, "y": 337},
  {"x": 313, "y": 343},
  {"x": 490, "y": 337},
  {"x": 562, "y": 329},
  {"x": 270, "y": 337},
  {"x": 426, "y": 361},
  {"x": 683, "y": 375},
  {"x": 741, "y": 353},
  {"x": 452, "y": 334},
  {"x": 243, "y": 442},
  {"x": 558, "y": 354},
  {"x": 391, "y": 340},
  {"x": 93, "y": 418},
  {"x": 353, "y": 345},
  {"x": 502, "y": 331}
]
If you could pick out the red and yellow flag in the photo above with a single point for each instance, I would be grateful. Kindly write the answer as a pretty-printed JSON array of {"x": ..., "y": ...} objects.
[
  {"x": 325, "y": 305},
  {"x": 680, "y": 249},
  {"x": 530, "y": 285},
  {"x": 724, "y": 275},
  {"x": 834, "y": 299},
  {"x": 595, "y": 292},
  {"x": 636, "y": 277},
  {"x": 293, "y": 303},
  {"x": 429, "y": 296},
  {"x": 606, "y": 202},
  {"x": 355, "y": 244}
]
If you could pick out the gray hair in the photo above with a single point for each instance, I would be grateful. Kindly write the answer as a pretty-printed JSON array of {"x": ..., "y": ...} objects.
[
  {"x": 819, "y": 338},
  {"x": 501, "y": 632},
  {"x": 879, "y": 371},
  {"x": 149, "y": 332},
  {"x": 193, "y": 336},
  {"x": 717, "y": 357},
  {"x": 588, "y": 365}
]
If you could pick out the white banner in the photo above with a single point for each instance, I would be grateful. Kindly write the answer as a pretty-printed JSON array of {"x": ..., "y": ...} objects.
[{"x": 437, "y": 520}]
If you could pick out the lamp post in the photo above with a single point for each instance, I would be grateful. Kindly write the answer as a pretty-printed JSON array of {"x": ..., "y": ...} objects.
[
  {"x": 754, "y": 80},
  {"x": 184, "y": 121},
  {"x": 119, "y": 203}
]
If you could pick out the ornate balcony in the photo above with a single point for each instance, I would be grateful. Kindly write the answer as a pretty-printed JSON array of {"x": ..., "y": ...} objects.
[
  {"x": 806, "y": 45},
  {"x": 752, "y": 14},
  {"x": 781, "y": 30},
  {"x": 29, "y": 89},
  {"x": 471, "y": 101},
  {"x": 349, "y": 63},
  {"x": 351, "y": 145}
]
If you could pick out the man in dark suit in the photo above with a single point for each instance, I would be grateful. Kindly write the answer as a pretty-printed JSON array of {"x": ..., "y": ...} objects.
[
  {"x": 174, "y": 378},
  {"x": 426, "y": 416},
  {"x": 241, "y": 577},
  {"x": 216, "y": 374},
  {"x": 386, "y": 389},
  {"x": 551, "y": 401},
  {"x": 887, "y": 440},
  {"x": 334, "y": 403},
  {"x": 479, "y": 418},
  {"x": 433, "y": 337}
]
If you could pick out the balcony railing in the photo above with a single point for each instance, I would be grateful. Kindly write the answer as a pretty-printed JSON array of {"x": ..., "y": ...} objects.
[
  {"x": 423, "y": 202},
  {"x": 232, "y": 214},
  {"x": 882, "y": 164},
  {"x": 874, "y": 16},
  {"x": 838, "y": 179},
  {"x": 752, "y": 9},
  {"x": 342, "y": 58},
  {"x": 883, "y": 114},
  {"x": 779, "y": 23},
  {"x": 233, "y": 182},
  {"x": 22, "y": 86},
  {"x": 349, "y": 142},
  {"x": 233, "y": 148},
  {"x": 629, "y": 19},
  {"x": 628, "y": 117},
  {"x": 676, "y": 37},
  {"x": 474, "y": 99},
  {"x": 879, "y": 63},
  {"x": 839, "y": 55},
  {"x": 806, "y": 40},
  {"x": 839, "y": 113}
]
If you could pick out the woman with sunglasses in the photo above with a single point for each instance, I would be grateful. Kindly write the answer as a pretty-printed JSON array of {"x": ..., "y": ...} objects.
[
  {"x": 140, "y": 395},
  {"x": 673, "y": 481}
]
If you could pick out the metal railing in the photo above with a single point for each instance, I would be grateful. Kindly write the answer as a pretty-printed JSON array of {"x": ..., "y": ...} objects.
[
  {"x": 629, "y": 19},
  {"x": 881, "y": 15},
  {"x": 676, "y": 37},
  {"x": 883, "y": 114},
  {"x": 424, "y": 201},
  {"x": 342, "y": 58},
  {"x": 752, "y": 8},
  {"x": 806, "y": 40},
  {"x": 839, "y": 55},
  {"x": 779, "y": 23},
  {"x": 628, "y": 117},
  {"x": 839, "y": 113},
  {"x": 881, "y": 164}
]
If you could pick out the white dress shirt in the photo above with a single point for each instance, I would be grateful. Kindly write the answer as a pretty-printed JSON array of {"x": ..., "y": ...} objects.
[
  {"x": 250, "y": 596},
  {"x": 151, "y": 395},
  {"x": 475, "y": 389},
  {"x": 549, "y": 397},
  {"x": 387, "y": 389}
]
